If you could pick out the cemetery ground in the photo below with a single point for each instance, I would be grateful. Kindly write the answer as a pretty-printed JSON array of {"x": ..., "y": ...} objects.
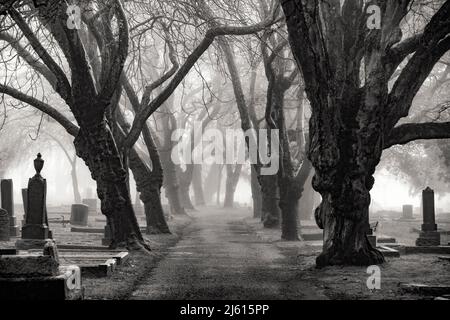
[{"x": 217, "y": 253}]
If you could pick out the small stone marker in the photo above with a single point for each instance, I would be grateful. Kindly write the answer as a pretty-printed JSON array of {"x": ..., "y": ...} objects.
[
  {"x": 25, "y": 201},
  {"x": 4, "y": 225},
  {"x": 8, "y": 204},
  {"x": 36, "y": 230},
  {"x": 429, "y": 235},
  {"x": 407, "y": 212},
  {"x": 79, "y": 215}
]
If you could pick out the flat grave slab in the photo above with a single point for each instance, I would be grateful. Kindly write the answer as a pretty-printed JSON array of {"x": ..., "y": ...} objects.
[
  {"x": 312, "y": 236},
  {"x": 424, "y": 289},
  {"x": 65, "y": 286},
  {"x": 386, "y": 239},
  {"x": 419, "y": 249},
  {"x": 95, "y": 230},
  {"x": 389, "y": 252}
]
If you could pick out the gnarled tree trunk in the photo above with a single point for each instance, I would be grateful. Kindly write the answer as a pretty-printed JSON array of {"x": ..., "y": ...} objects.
[
  {"x": 148, "y": 184},
  {"x": 96, "y": 146},
  {"x": 270, "y": 209}
]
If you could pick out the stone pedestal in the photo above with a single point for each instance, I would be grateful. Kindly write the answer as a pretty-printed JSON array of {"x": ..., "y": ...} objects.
[
  {"x": 30, "y": 244},
  {"x": 7, "y": 194},
  {"x": 4, "y": 225},
  {"x": 92, "y": 204},
  {"x": 429, "y": 235},
  {"x": 79, "y": 215},
  {"x": 36, "y": 221}
]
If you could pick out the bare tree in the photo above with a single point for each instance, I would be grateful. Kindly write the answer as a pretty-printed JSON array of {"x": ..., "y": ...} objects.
[{"x": 354, "y": 119}]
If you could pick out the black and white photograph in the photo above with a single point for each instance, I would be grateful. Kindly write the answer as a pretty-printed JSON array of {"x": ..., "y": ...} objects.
[{"x": 214, "y": 158}]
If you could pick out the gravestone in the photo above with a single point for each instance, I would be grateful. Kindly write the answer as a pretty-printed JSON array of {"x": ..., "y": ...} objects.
[
  {"x": 25, "y": 201},
  {"x": 79, "y": 215},
  {"x": 407, "y": 212},
  {"x": 4, "y": 225},
  {"x": 92, "y": 204},
  {"x": 429, "y": 235},
  {"x": 36, "y": 230},
  {"x": 8, "y": 204}
]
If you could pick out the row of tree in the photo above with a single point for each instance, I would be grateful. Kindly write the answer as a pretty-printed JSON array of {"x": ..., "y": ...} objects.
[{"x": 114, "y": 76}]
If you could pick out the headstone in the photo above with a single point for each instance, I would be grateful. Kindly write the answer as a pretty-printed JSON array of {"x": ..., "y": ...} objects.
[
  {"x": 25, "y": 201},
  {"x": 4, "y": 225},
  {"x": 407, "y": 212},
  {"x": 429, "y": 235},
  {"x": 8, "y": 204},
  {"x": 79, "y": 215},
  {"x": 92, "y": 204},
  {"x": 36, "y": 230}
]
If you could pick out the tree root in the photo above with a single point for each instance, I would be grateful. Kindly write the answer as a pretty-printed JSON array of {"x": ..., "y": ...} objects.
[{"x": 367, "y": 257}]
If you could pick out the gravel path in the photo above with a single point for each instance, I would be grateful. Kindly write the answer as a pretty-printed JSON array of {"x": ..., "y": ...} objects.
[{"x": 220, "y": 258}]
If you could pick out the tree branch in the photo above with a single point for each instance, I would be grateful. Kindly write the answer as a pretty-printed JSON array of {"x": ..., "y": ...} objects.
[
  {"x": 434, "y": 43},
  {"x": 211, "y": 34},
  {"x": 71, "y": 128},
  {"x": 63, "y": 86},
  {"x": 406, "y": 133}
]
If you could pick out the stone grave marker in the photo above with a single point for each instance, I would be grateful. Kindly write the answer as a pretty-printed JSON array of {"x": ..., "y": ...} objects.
[
  {"x": 429, "y": 236},
  {"x": 79, "y": 215},
  {"x": 25, "y": 201},
  {"x": 36, "y": 230},
  {"x": 4, "y": 225},
  {"x": 7, "y": 194}
]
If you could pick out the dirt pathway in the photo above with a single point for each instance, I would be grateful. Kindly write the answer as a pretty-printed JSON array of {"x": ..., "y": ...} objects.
[{"x": 220, "y": 258}]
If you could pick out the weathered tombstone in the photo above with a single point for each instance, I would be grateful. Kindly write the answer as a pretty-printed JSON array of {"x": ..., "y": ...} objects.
[
  {"x": 4, "y": 225},
  {"x": 92, "y": 204},
  {"x": 407, "y": 212},
  {"x": 36, "y": 230},
  {"x": 25, "y": 201},
  {"x": 8, "y": 204},
  {"x": 429, "y": 235},
  {"x": 79, "y": 215}
]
